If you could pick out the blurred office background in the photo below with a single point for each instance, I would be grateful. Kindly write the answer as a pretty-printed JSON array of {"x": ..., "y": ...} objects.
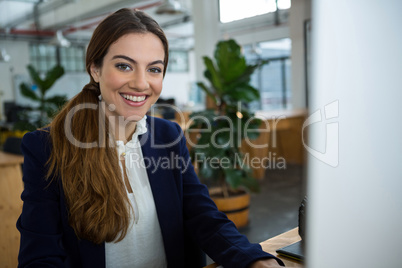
[
  {"x": 44, "y": 33},
  {"x": 356, "y": 44},
  {"x": 50, "y": 32}
]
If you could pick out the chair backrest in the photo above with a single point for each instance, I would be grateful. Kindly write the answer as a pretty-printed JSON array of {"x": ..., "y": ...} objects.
[{"x": 12, "y": 145}]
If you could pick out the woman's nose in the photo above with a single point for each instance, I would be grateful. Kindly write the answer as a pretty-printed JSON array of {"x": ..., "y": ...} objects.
[{"x": 139, "y": 81}]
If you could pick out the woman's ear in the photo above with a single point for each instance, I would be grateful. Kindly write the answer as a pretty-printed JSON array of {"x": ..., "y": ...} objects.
[{"x": 95, "y": 73}]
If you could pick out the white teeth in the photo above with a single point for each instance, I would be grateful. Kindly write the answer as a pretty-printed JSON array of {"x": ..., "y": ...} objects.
[{"x": 133, "y": 98}]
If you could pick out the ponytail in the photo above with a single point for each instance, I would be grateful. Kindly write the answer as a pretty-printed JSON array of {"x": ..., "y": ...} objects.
[{"x": 99, "y": 208}]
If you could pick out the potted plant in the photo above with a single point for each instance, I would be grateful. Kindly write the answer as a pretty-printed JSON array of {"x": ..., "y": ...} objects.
[
  {"x": 217, "y": 155},
  {"x": 39, "y": 116}
]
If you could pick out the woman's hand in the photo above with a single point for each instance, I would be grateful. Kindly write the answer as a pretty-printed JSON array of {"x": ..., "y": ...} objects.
[{"x": 265, "y": 264}]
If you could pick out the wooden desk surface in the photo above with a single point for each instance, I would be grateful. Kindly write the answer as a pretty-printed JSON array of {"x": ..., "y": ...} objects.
[
  {"x": 10, "y": 159},
  {"x": 284, "y": 239},
  {"x": 274, "y": 243},
  {"x": 11, "y": 187}
]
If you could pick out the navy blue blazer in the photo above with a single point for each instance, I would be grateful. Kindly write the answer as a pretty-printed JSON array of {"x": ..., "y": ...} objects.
[{"x": 186, "y": 214}]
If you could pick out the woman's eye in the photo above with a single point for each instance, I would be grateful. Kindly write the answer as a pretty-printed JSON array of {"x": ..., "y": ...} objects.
[
  {"x": 155, "y": 70},
  {"x": 123, "y": 67}
]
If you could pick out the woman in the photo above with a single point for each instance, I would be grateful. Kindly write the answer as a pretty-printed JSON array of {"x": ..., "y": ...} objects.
[{"x": 95, "y": 193}]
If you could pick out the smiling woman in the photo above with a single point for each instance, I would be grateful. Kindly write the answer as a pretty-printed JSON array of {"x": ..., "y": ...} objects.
[
  {"x": 96, "y": 191},
  {"x": 130, "y": 77}
]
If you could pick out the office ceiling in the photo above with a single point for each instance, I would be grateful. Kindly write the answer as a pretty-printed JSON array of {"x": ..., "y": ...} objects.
[{"x": 38, "y": 20}]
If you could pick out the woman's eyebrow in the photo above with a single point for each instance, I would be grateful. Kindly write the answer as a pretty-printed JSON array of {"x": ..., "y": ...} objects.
[
  {"x": 125, "y": 58},
  {"x": 134, "y": 62},
  {"x": 157, "y": 62}
]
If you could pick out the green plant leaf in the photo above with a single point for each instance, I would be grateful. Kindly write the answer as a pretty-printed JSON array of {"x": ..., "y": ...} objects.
[
  {"x": 35, "y": 76},
  {"x": 24, "y": 125},
  {"x": 229, "y": 78},
  {"x": 233, "y": 177},
  {"x": 51, "y": 77},
  {"x": 212, "y": 74},
  {"x": 205, "y": 143},
  {"x": 207, "y": 91},
  {"x": 49, "y": 110},
  {"x": 243, "y": 92},
  {"x": 46, "y": 106},
  {"x": 229, "y": 60},
  {"x": 248, "y": 71},
  {"x": 241, "y": 177},
  {"x": 27, "y": 92},
  {"x": 251, "y": 183},
  {"x": 253, "y": 125},
  {"x": 206, "y": 171},
  {"x": 58, "y": 100}
]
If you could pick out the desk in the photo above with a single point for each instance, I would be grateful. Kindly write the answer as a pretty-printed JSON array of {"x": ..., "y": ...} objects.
[
  {"x": 11, "y": 187},
  {"x": 274, "y": 243},
  {"x": 279, "y": 241}
]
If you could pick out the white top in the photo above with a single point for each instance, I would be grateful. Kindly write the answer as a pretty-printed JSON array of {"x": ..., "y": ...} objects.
[{"x": 143, "y": 244}]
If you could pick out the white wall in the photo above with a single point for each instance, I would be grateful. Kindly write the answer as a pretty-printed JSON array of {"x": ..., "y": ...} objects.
[
  {"x": 19, "y": 54},
  {"x": 178, "y": 85},
  {"x": 354, "y": 216},
  {"x": 300, "y": 11},
  {"x": 206, "y": 32}
]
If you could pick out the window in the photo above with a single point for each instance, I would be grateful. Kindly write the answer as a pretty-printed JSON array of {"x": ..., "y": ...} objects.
[
  {"x": 273, "y": 79},
  {"x": 231, "y": 10},
  {"x": 72, "y": 59},
  {"x": 44, "y": 57}
]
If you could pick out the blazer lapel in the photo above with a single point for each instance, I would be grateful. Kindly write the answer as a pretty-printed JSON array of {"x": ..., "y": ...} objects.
[{"x": 166, "y": 196}]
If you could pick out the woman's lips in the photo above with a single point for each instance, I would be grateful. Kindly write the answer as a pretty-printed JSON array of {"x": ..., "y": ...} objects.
[{"x": 133, "y": 100}]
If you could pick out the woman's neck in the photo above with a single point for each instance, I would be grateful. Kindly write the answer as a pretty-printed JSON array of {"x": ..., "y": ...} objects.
[
  {"x": 121, "y": 129},
  {"x": 122, "y": 132}
]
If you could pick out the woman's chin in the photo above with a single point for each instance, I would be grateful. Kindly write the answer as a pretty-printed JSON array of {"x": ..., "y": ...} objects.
[{"x": 134, "y": 117}]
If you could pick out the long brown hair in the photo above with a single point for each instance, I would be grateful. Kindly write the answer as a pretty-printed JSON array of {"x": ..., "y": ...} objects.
[{"x": 82, "y": 157}]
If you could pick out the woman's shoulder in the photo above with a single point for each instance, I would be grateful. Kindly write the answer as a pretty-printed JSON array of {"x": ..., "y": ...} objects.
[
  {"x": 37, "y": 141},
  {"x": 35, "y": 136},
  {"x": 160, "y": 123},
  {"x": 163, "y": 130}
]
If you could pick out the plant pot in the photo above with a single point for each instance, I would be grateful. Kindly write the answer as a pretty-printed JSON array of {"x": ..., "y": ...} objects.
[{"x": 236, "y": 206}]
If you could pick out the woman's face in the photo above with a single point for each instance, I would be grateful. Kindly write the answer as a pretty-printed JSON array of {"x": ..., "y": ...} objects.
[{"x": 131, "y": 75}]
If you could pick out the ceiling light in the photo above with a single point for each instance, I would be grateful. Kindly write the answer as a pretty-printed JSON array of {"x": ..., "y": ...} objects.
[
  {"x": 170, "y": 7},
  {"x": 4, "y": 57},
  {"x": 60, "y": 40},
  {"x": 255, "y": 49}
]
